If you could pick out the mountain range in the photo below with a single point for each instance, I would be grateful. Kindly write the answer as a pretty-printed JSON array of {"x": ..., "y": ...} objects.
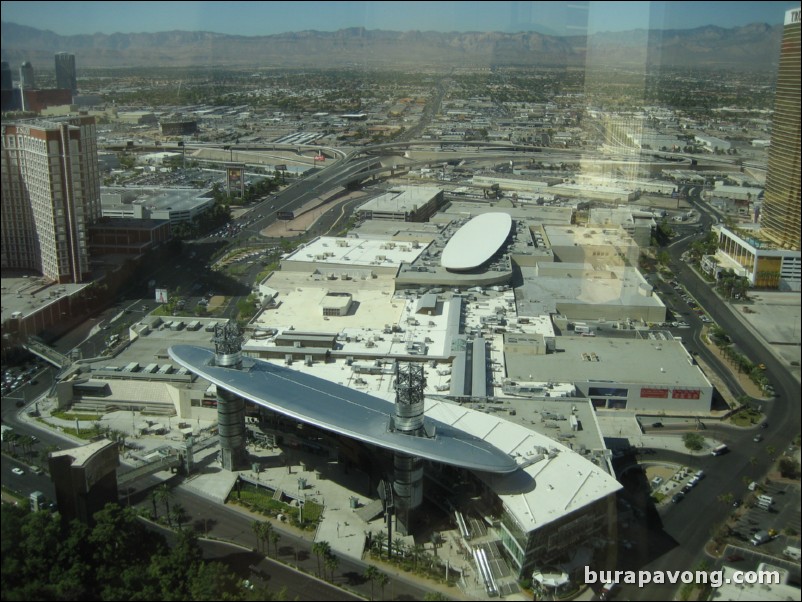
[{"x": 751, "y": 47}]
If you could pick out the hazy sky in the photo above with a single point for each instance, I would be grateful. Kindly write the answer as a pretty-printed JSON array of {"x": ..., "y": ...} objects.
[{"x": 263, "y": 18}]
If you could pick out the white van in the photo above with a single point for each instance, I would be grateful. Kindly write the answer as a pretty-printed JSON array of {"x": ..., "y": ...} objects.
[
  {"x": 760, "y": 537},
  {"x": 720, "y": 450}
]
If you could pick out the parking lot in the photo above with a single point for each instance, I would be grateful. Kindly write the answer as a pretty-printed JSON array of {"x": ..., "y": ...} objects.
[{"x": 781, "y": 518}]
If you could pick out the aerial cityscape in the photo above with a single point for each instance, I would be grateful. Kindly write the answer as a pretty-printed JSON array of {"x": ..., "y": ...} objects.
[{"x": 427, "y": 301}]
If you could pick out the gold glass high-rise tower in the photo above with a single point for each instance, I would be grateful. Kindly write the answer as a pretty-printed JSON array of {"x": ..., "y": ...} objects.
[{"x": 782, "y": 205}]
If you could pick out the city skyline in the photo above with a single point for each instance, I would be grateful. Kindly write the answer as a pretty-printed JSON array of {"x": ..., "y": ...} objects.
[{"x": 266, "y": 18}]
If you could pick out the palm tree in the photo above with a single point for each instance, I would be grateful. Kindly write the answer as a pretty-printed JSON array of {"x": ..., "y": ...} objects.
[
  {"x": 267, "y": 528},
  {"x": 154, "y": 497},
  {"x": 331, "y": 562},
  {"x": 382, "y": 579},
  {"x": 320, "y": 549},
  {"x": 274, "y": 537},
  {"x": 257, "y": 530},
  {"x": 379, "y": 540},
  {"x": 179, "y": 514},
  {"x": 371, "y": 574},
  {"x": 398, "y": 546},
  {"x": 11, "y": 440},
  {"x": 164, "y": 494},
  {"x": 417, "y": 553}
]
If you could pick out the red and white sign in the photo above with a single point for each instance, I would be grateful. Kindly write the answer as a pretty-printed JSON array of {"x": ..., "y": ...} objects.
[
  {"x": 686, "y": 394},
  {"x": 653, "y": 393}
]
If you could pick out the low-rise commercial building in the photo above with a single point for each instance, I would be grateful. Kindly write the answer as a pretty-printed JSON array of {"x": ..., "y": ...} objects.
[
  {"x": 407, "y": 204},
  {"x": 667, "y": 378},
  {"x": 174, "y": 205}
]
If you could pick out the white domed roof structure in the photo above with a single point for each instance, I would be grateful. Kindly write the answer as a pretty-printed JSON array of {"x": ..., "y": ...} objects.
[{"x": 476, "y": 242}]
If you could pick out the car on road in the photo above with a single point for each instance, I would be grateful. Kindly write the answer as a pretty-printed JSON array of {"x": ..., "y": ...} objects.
[
  {"x": 677, "y": 497},
  {"x": 757, "y": 438},
  {"x": 18, "y": 471}
]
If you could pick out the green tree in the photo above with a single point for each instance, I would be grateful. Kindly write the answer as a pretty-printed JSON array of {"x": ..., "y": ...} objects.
[
  {"x": 122, "y": 549},
  {"x": 789, "y": 468},
  {"x": 213, "y": 581},
  {"x": 726, "y": 498},
  {"x": 169, "y": 571},
  {"x": 693, "y": 441}
]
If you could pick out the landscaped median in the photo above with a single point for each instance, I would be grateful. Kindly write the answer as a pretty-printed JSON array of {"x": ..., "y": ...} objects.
[{"x": 265, "y": 501}]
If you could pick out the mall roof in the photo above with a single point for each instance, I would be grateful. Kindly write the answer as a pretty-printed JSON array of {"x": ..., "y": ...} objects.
[
  {"x": 342, "y": 410},
  {"x": 476, "y": 242}
]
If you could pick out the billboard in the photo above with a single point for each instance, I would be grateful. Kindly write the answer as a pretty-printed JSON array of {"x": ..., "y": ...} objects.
[
  {"x": 235, "y": 179},
  {"x": 653, "y": 393},
  {"x": 320, "y": 157},
  {"x": 161, "y": 295}
]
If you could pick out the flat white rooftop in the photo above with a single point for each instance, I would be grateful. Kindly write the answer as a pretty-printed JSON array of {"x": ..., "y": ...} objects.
[
  {"x": 356, "y": 252},
  {"x": 608, "y": 359},
  {"x": 401, "y": 200},
  {"x": 299, "y": 305},
  {"x": 572, "y": 235},
  {"x": 363, "y": 331},
  {"x": 554, "y": 480},
  {"x": 31, "y": 293}
]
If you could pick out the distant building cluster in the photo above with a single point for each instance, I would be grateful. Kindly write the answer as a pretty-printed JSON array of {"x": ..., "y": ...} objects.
[{"x": 32, "y": 99}]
